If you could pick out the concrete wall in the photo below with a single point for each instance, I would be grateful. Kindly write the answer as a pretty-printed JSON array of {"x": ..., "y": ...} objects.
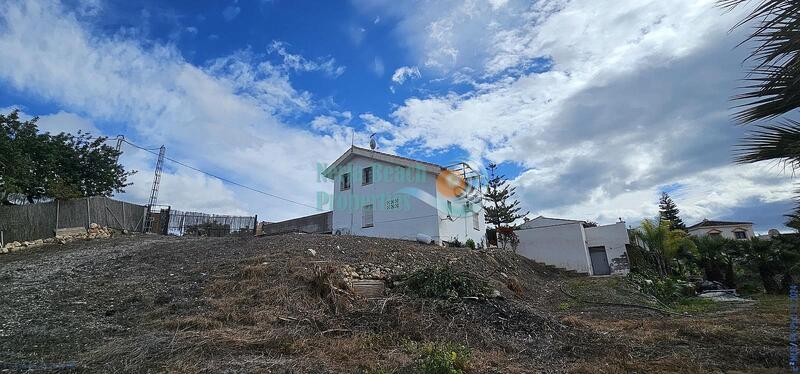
[
  {"x": 314, "y": 224},
  {"x": 413, "y": 216},
  {"x": 725, "y": 231},
  {"x": 562, "y": 245},
  {"x": 614, "y": 238}
]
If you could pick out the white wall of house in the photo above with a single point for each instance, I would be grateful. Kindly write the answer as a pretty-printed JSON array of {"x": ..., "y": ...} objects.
[
  {"x": 412, "y": 217},
  {"x": 615, "y": 239},
  {"x": 727, "y": 231},
  {"x": 461, "y": 224},
  {"x": 565, "y": 244},
  {"x": 559, "y": 243}
]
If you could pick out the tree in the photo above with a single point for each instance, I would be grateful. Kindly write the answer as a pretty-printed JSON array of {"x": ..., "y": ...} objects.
[
  {"x": 794, "y": 221},
  {"x": 503, "y": 210},
  {"x": 669, "y": 212},
  {"x": 774, "y": 82},
  {"x": 665, "y": 245},
  {"x": 717, "y": 257},
  {"x": 36, "y": 166}
]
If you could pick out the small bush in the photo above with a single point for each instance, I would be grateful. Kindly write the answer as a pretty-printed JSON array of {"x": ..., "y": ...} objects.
[
  {"x": 455, "y": 243},
  {"x": 440, "y": 358},
  {"x": 443, "y": 283},
  {"x": 665, "y": 289},
  {"x": 470, "y": 244}
]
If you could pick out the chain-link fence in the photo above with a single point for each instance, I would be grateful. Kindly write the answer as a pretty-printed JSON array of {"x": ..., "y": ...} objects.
[
  {"x": 39, "y": 221},
  {"x": 203, "y": 224}
]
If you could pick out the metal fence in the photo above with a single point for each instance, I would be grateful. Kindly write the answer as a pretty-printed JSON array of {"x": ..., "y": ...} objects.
[
  {"x": 203, "y": 224},
  {"x": 39, "y": 221},
  {"x": 320, "y": 223}
]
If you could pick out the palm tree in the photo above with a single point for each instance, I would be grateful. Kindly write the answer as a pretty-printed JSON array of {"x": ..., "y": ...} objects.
[
  {"x": 664, "y": 243},
  {"x": 773, "y": 87}
]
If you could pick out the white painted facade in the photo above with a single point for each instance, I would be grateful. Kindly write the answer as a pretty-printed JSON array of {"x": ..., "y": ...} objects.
[
  {"x": 728, "y": 230},
  {"x": 404, "y": 198},
  {"x": 566, "y": 244}
]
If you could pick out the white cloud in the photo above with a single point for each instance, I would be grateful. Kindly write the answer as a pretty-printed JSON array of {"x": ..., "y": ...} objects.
[
  {"x": 405, "y": 72},
  {"x": 67, "y": 122},
  {"x": 377, "y": 66},
  {"x": 299, "y": 63},
  {"x": 230, "y": 12},
  {"x": 226, "y": 118},
  {"x": 633, "y": 98}
]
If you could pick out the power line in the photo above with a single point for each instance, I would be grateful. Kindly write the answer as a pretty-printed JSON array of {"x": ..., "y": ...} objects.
[{"x": 226, "y": 180}]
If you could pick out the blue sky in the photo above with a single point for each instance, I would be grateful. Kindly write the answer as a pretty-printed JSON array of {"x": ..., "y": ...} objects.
[{"x": 591, "y": 107}]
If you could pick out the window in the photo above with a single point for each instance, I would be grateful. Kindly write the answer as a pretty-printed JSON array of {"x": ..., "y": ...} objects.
[
  {"x": 715, "y": 234},
  {"x": 366, "y": 176},
  {"x": 449, "y": 208},
  {"x": 345, "y": 182},
  {"x": 476, "y": 220},
  {"x": 367, "y": 218},
  {"x": 740, "y": 234}
]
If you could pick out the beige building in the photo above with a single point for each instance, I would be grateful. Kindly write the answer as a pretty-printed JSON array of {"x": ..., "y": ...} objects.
[{"x": 725, "y": 229}]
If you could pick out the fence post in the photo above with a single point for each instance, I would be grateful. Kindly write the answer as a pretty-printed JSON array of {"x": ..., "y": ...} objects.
[
  {"x": 88, "y": 214},
  {"x": 58, "y": 208},
  {"x": 2, "y": 238},
  {"x": 255, "y": 223},
  {"x": 124, "y": 225}
]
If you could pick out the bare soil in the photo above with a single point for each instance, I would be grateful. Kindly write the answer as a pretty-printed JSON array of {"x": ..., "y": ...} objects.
[{"x": 168, "y": 304}]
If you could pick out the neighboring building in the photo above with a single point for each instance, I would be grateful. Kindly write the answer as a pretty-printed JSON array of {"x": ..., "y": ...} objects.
[
  {"x": 568, "y": 244},
  {"x": 725, "y": 229},
  {"x": 382, "y": 195}
]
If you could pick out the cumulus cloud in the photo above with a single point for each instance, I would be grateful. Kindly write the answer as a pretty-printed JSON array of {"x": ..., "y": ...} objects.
[
  {"x": 227, "y": 117},
  {"x": 633, "y": 97}
]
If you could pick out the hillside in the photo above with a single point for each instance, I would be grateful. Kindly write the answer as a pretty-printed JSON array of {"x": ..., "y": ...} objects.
[{"x": 283, "y": 304}]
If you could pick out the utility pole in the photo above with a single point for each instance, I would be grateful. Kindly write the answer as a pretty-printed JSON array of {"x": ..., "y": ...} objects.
[
  {"x": 154, "y": 192},
  {"x": 120, "y": 139}
]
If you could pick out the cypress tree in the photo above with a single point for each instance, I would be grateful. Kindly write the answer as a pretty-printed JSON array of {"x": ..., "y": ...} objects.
[{"x": 670, "y": 212}]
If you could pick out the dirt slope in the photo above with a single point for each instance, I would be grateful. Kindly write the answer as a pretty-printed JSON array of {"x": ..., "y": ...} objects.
[{"x": 139, "y": 304}]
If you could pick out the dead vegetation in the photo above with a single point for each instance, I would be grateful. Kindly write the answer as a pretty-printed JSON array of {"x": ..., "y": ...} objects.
[{"x": 270, "y": 305}]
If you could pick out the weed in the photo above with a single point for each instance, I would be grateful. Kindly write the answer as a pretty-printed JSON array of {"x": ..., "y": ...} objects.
[
  {"x": 443, "y": 283},
  {"x": 694, "y": 305},
  {"x": 455, "y": 243},
  {"x": 470, "y": 244},
  {"x": 440, "y": 357}
]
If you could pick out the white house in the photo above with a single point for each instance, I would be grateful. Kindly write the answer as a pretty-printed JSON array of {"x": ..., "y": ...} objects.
[
  {"x": 383, "y": 195},
  {"x": 725, "y": 229},
  {"x": 568, "y": 244}
]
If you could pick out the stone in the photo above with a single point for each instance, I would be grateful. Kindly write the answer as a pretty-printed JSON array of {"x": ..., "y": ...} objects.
[
  {"x": 94, "y": 226},
  {"x": 4, "y": 250},
  {"x": 38, "y": 242},
  {"x": 495, "y": 294},
  {"x": 313, "y": 252}
]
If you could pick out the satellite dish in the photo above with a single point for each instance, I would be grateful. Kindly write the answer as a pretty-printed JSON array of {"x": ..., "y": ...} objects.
[{"x": 372, "y": 143}]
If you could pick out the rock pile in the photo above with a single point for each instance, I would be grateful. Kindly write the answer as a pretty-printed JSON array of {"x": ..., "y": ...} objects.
[{"x": 95, "y": 231}]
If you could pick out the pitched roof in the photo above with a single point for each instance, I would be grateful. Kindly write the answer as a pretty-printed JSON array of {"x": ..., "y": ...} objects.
[
  {"x": 380, "y": 156},
  {"x": 707, "y": 223}
]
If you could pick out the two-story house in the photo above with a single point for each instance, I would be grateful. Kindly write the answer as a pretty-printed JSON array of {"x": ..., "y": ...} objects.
[
  {"x": 382, "y": 195},
  {"x": 725, "y": 229}
]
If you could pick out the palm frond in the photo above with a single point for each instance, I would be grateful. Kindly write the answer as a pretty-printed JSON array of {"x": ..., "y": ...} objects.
[
  {"x": 774, "y": 80},
  {"x": 779, "y": 142}
]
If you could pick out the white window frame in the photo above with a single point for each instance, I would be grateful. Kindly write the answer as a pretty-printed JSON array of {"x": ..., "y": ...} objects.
[
  {"x": 345, "y": 182},
  {"x": 368, "y": 216},
  {"x": 364, "y": 180},
  {"x": 737, "y": 232}
]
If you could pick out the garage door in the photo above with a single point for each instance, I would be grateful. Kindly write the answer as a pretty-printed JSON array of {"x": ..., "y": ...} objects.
[{"x": 599, "y": 261}]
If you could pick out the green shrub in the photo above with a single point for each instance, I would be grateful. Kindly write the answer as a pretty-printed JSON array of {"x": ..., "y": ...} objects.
[
  {"x": 455, "y": 243},
  {"x": 440, "y": 358},
  {"x": 470, "y": 244},
  {"x": 665, "y": 289},
  {"x": 442, "y": 283}
]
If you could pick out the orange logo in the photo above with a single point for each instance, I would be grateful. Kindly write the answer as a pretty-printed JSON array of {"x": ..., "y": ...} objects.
[{"x": 450, "y": 184}]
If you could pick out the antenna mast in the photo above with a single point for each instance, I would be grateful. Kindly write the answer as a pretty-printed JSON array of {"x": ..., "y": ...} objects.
[{"x": 156, "y": 183}]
